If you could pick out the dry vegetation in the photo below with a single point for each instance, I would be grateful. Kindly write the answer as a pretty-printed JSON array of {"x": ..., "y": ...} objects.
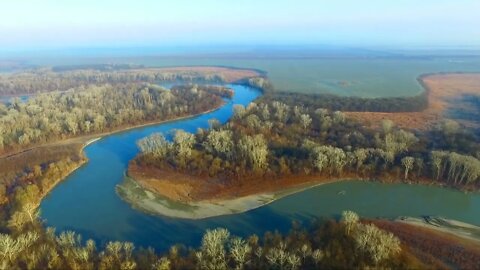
[
  {"x": 289, "y": 159},
  {"x": 187, "y": 188},
  {"x": 272, "y": 146},
  {"x": 344, "y": 244},
  {"x": 436, "y": 248},
  {"x": 443, "y": 92}
]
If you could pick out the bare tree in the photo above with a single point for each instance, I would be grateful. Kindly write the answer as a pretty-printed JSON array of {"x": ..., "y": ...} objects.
[
  {"x": 239, "y": 251},
  {"x": 255, "y": 150},
  {"x": 407, "y": 163},
  {"x": 212, "y": 254},
  {"x": 376, "y": 243},
  {"x": 350, "y": 219},
  {"x": 305, "y": 120}
]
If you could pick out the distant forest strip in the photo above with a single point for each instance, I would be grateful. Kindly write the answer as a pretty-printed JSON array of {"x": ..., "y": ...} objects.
[
  {"x": 342, "y": 103},
  {"x": 44, "y": 80},
  {"x": 353, "y": 104}
]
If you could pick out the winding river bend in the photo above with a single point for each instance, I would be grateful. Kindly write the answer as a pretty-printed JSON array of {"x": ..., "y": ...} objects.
[{"x": 86, "y": 201}]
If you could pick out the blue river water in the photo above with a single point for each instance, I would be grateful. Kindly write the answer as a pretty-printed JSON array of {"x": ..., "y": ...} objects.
[{"x": 86, "y": 202}]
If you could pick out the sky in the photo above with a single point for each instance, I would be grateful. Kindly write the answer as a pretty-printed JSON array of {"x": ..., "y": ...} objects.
[{"x": 119, "y": 23}]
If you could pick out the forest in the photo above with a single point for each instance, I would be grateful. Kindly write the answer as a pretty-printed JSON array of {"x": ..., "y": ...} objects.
[
  {"x": 53, "y": 117},
  {"x": 270, "y": 140},
  {"x": 42, "y": 80},
  {"x": 29, "y": 173},
  {"x": 276, "y": 136},
  {"x": 95, "y": 109},
  {"x": 353, "y": 104},
  {"x": 344, "y": 244},
  {"x": 341, "y": 103}
]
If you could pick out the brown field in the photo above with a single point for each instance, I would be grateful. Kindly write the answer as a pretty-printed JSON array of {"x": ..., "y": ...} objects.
[
  {"x": 442, "y": 89},
  {"x": 435, "y": 247},
  {"x": 31, "y": 157}
]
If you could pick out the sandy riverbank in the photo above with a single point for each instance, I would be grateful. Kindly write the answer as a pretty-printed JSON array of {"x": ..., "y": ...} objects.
[
  {"x": 176, "y": 194},
  {"x": 457, "y": 228},
  {"x": 151, "y": 202}
]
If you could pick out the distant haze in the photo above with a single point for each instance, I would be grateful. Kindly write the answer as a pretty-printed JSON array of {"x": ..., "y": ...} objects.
[{"x": 85, "y": 23}]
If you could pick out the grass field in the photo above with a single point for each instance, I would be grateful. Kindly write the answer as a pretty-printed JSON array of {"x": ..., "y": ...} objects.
[{"x": 347, "y": 75}]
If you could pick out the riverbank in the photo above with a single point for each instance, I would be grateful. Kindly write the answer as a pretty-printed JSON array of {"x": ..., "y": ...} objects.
[
  {"x": 175, "y": 194},
  {"x": 83, "y": 159},
  {"x": 436, "y": 240},
  {"x": 195, "y": 186},
  {"x": 87, "y": 140},
  {"x": 155, "y": 203},
  {"x": 62, "y": 177},
  {"x": 180, "y": 195},
  {"x": 454, "y": 227},
  {"x": 69, "y": 153}
]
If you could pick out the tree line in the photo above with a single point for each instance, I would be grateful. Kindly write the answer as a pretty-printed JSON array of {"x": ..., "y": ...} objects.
[
  {"x": 347, "y": 243},
  {"x": 268, "y": 140},
  {"x": 353, "y": 104},
  {"x": 340, "y": 103},
  {"x": 43, "y": 80}
]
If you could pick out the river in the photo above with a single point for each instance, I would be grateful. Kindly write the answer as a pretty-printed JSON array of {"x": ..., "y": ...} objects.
[
  {"x": 87, "y": 203},
  {"x": 8, "y": 99}
]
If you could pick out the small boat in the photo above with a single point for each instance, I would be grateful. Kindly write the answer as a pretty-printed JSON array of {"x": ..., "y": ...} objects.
[{"x": 343, "y": 192}]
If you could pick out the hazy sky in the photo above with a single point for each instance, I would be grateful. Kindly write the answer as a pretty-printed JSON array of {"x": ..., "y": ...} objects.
[{"x": 67, "y": 23}]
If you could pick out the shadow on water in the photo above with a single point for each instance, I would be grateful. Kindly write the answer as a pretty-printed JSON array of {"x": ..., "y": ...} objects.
[
  {"x": 161, "y": 235},
  {"x": 465, "y": 107}
]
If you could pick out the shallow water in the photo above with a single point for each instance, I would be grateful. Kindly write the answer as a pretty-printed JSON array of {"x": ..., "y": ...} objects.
[{"x": 8, "y": 99}]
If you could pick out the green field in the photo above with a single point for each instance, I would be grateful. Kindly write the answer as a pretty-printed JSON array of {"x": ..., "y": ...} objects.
[{"x": 372, "y": 76}]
